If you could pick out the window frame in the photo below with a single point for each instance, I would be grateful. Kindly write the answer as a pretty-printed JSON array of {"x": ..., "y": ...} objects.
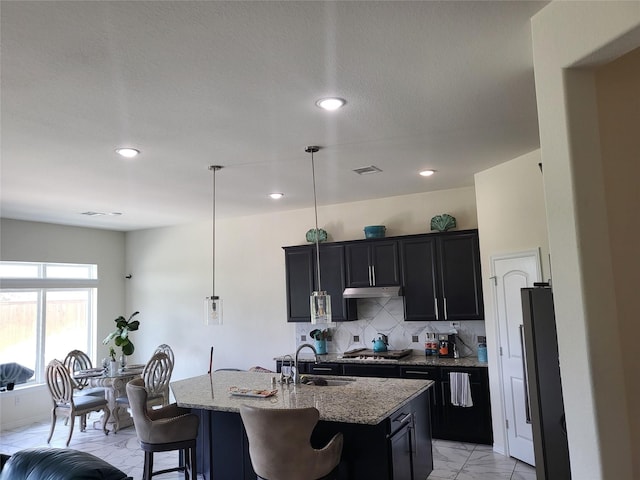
[{"x": 41, "y": 286}]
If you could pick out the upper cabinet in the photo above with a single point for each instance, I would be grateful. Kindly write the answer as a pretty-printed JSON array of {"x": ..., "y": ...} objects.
[
  {"x": 460, "y": 277},
  {"x": 372, "y": 263},
  {"x": 441, "y": 277},
  {"x": 420, "y": 278},
  {"x": 439, "y": 274},
  {"x": 300, "y": 264}
]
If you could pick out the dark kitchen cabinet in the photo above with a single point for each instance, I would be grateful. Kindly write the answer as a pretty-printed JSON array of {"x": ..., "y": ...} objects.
[
  {"x": 372, "y": 263},
  {"x": 466, "y": 424},
  {"x": 447, "y": 422},
  {"x": 428, "y": 373},
  {"x": 410, "y": 441},
  {"x": 301, "y": 278},
  {"x": 441, "y": 277},
  {"x": 397, "y": 448},
  {"x": 401, "y": 458},
  {"x": 362, "y": 370},
  {"x": 419, "y": 278},
  {"x": 460, "y": 276}
]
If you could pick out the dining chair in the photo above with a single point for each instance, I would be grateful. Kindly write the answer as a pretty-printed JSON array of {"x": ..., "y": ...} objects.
[
  {"x": 75, "y": 361},
  {"x": 71, "y": 406},
  {"x": 280, "y": 444},
  {"x": 164, "y": 348},
  {"x": 156, "y": 377},
  {"x": 161, "y": 430}
]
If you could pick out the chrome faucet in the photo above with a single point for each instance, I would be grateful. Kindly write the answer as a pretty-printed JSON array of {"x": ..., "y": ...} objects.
[{"x": 296, "y": 375}]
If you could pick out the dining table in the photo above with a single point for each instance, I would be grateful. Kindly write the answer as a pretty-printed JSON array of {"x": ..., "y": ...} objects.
[{"x": 114, "y": 384}]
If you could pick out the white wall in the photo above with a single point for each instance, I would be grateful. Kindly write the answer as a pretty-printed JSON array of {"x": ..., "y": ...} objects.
[
  {"x": 43, "y": 242},
  {"x": 618, "y": 118},
  {"x": 511, "y": 218},
  {"x": 171, "y": 275},
  {"x": 584, "y": 35}
]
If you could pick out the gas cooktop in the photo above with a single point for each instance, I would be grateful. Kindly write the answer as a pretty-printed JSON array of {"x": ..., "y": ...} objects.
[{"x": 367, "y": 354}]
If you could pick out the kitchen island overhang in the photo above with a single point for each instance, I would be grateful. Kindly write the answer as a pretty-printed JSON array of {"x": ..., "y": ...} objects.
[{"x": 385, "y": 422}]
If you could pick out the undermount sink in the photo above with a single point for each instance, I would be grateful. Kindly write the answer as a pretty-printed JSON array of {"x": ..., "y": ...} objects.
[{"x": 326, "y": 382}]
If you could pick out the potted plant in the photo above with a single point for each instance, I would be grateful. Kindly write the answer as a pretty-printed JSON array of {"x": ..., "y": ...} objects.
[
  {"x": 120, "y": 336},
  {"x": 113, "y": 366},
  {"x": 320, "y": 337}
]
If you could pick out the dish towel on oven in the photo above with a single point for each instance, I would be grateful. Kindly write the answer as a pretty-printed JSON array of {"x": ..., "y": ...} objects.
[{"x": 460, "y": 389}]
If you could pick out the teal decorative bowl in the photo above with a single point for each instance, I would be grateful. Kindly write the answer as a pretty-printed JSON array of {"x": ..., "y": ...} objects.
[
  {"x": 311, "y": 235},
  {"x": 443, "y": 222},
  {"x": 374, "y": 231}
]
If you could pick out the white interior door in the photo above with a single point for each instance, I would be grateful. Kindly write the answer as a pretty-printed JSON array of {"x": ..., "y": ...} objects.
[{"x": 511, "y": 273}]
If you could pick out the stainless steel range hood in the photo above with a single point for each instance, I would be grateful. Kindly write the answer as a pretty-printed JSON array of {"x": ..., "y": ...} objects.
[{"x": 372, "y": 292}]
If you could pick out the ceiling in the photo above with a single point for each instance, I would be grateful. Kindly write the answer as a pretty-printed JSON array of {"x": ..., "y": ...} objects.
[{"x": 442, "y": 85}]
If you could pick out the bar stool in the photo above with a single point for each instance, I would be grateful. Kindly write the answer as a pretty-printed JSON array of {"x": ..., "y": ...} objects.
[
  {"x": 280, "y": 447},
  {"x": 162, "y": 430}
]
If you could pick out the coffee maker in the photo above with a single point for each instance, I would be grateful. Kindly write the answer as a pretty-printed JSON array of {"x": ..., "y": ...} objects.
[{"x": 447, "y": 345}]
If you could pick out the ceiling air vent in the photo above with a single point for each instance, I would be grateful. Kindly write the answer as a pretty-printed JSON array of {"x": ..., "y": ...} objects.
[
  {"x": 98, "y": 214},
  {"x": 367, "y": 170}
]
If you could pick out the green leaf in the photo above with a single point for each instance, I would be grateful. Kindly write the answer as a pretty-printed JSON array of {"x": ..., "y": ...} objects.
[
  {"x": 133, "y": 326},
  {"x": 128, "y": 349},
  {"x": 118, "y": 341}
]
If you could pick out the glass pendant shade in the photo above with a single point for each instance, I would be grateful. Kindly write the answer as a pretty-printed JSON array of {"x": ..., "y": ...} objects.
[
  {"x": 320, "y": 307},
  {"x": 213, "y": 311}
]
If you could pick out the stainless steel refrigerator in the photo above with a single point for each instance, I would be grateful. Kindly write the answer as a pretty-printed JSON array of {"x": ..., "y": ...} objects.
[{"x": 544, "y": 389}]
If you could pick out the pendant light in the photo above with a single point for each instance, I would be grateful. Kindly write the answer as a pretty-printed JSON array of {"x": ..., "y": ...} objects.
[
  {"x": 320, "y": 301},
  {"x": 213, "y": 304}
]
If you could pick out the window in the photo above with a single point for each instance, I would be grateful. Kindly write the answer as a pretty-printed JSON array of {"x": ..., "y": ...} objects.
[{"x": 46, "y": 310}]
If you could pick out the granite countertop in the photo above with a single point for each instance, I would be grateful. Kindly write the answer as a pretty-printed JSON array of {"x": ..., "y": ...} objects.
[
  {"x": 363, "y": 401},
  {"x": 416, "y": 360}
]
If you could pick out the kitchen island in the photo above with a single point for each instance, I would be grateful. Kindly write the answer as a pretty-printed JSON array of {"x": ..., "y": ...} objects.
[{"x": 385, "y": 423}]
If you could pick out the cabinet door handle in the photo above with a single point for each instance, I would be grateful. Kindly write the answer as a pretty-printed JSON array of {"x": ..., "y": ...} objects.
[
  {"x": 407, "y": 417},
  {"x": 435, "y": 304},
  {"x": 322, "y": 369},
  {"x": 370, "y": 277},
  {"x": 373, "y": 275},
  {"x": 418, "y": 372},
  {"x": 446, "y": 313},
  {"x": 527, "y": 407}
]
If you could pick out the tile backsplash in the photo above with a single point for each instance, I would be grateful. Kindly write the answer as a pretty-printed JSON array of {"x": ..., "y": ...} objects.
[{"x": 386, "y": 316}]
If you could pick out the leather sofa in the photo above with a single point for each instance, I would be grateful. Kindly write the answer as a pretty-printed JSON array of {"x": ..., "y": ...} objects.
[{"x": 58, "y": 464}]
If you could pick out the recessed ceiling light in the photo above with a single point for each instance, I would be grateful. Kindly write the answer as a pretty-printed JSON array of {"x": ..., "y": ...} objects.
[
  {"x": 127, "y": 152},
  {"x": 331, "y": 103},
  {"x": 427, "y": 173},
  {"x": 276, "y": 196}
]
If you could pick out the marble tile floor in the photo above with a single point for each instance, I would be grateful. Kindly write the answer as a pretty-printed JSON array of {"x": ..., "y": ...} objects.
[
  {"x": 467, "y": 461},
  {"x": 121, "y": 449},
  {"x": 452, "y": 460}
]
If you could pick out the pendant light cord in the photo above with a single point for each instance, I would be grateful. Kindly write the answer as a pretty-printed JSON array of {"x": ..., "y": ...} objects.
[
  {"x": 214, "y": 169},
  {"x": 315, "y": 207}
]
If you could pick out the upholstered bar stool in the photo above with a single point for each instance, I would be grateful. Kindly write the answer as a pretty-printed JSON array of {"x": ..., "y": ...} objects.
[
  {"x": 162, "y": 430},
  {"x": 280, "y": 444}
]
